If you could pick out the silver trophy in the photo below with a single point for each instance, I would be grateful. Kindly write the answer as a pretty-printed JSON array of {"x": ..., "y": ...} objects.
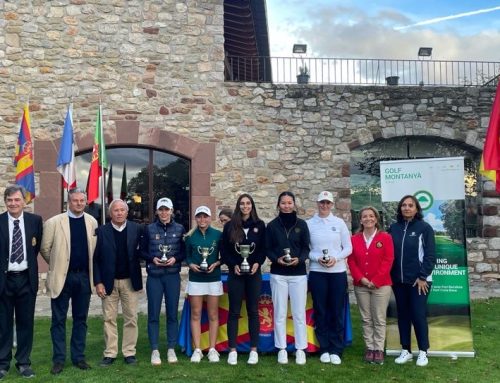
[
  {"x": 244, "y": 251},
  {"x": 326, "y": 256},
  {"x": 165, "y": 249},
  {"x": 287, "y": 258},
  {"x": 205, "y": 252}
]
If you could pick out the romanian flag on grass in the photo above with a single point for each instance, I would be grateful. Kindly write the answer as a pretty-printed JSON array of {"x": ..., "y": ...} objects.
[
  {"x": 490, "y": 160},
  {"x": 97, "y": 162},
  {"x": 23, "y": 158}
]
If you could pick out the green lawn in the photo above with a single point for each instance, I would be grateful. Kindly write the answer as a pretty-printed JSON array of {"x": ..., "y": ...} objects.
[{"x": 484, "y": 368}]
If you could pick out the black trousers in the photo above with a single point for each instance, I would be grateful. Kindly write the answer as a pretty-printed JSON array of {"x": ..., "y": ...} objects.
[
  {"x": 18, "y": 298},
  {"x": 248, "y": 287}
]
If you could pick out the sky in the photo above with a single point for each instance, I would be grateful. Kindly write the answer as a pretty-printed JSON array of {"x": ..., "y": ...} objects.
[{"x": 386, "y": 29}]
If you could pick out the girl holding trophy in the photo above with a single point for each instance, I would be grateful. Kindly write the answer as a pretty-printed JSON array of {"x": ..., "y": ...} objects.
[
  {"x": 330, "y": 246},
  {"x": 202, "y": 256},
  {"x": 242, "y": 250},
  {"x": 287, "y": 244}
]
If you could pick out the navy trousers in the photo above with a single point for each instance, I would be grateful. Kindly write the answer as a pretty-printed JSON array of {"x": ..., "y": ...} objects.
[
  {"x": 168, "y": 285},
  {"x": 328, "y": 291},
  {"x": 77, "y": 289},
  {"x": 412, "y": 309}
]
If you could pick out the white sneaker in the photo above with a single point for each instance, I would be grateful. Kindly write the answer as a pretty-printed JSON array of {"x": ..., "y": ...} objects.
[
  {"x": 155, "y": 358},
  {"x": 404, "y": 357},
  {"x": 325, "y": 358},
  {"x": 422, "y": 360},
  {"x": 213, "y": 355},
  {"x": 300, "y": 357},
  {"x": 335, "y": 359},
  {"x": 197, "y": 356},
  {"x": 282, "y": 357},
  {"x": 171, "y": 357},
  {"x": 253, "y": 357},
  {"x": 232, "y": 358}
]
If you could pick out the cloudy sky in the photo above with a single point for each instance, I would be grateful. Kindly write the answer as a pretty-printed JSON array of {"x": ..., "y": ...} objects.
[{"x": 456, "y": 29}]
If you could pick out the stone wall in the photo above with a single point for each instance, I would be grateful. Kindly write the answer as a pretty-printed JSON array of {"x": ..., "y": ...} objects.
[{"x": 158, "y": 69}]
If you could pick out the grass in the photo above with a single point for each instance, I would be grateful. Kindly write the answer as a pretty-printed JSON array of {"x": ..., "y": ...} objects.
[{"x": 484, "y": 368}]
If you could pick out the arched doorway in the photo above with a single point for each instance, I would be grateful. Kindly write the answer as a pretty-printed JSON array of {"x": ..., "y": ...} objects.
[{"x": 365, "y": 171}]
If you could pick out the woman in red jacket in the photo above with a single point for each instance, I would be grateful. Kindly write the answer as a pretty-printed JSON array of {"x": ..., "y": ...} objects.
[{"x": 370, "y": 264}]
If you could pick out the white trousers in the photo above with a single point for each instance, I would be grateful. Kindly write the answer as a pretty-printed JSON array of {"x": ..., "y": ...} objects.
[{"x": 295, "y": 286}]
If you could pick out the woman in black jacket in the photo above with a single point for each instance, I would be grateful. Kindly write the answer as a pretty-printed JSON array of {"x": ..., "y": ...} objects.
[
  {"x": 414, "y": 260},
  {"x": 244, "y": 230},
  {"x": 287, "y": 245}
]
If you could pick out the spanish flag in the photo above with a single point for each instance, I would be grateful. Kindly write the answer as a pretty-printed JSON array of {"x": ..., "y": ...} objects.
[
  {"x": 490, "y": 160},
  {"x": 97, "y": 162},
  {"x": 23, "y": 158}
]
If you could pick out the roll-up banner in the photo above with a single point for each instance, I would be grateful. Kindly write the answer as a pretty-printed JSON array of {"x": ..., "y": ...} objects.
[{"x": 438, "y": 184}]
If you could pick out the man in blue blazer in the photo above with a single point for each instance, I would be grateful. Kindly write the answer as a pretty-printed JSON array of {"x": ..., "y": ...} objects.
[
  {"x": 118, "y": 278},
  {"x": 20, "y": 238}
]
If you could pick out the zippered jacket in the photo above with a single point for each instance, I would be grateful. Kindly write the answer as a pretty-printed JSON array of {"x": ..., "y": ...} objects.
[
  {"x": 296, "y": 239},
  {"x": 414, "y": 251}
]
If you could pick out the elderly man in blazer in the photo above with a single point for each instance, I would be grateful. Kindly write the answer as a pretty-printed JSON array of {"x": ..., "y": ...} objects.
[
  {"x": 118, "y": 278},
  {"x": 68, "y": 245},
  {"x": 20, "y": 237}
]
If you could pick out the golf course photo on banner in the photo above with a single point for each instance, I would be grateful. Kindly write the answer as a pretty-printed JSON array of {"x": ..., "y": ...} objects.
[{"x": 438, "y": 185}]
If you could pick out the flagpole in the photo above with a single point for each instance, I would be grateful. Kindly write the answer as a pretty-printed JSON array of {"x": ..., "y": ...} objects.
[{"x": 101, "y": 164}]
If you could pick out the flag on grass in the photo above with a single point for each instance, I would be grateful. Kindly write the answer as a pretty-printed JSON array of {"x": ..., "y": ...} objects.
[
  {"x": 97, "y": 162},
  {"x": 66, "y": 159},
  {"x": 109, "y": 187},
  {"x": 123, "y": 189},
  {"x": 490, "y": 159},
  {"x": 23, "y": 158}
]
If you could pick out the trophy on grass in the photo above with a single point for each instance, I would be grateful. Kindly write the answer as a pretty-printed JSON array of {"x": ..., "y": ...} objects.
[
  {"x": 287, "y": 256},
  {"x": 205, "y": 252},
  {"x": 164, "y": 249},
  {"x": 326, "y": 256},
  {"x": 244, "y": 251}
]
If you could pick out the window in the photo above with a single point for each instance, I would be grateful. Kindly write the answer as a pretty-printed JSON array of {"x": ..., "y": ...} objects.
[{"x": 141, "y": 176}]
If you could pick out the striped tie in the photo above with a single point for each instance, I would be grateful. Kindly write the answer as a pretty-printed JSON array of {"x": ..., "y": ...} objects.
[{"x": 16, "y": 254}]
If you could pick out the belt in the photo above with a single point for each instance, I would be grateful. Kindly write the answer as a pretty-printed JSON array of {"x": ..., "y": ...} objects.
[{"x": 14, "y": 273}]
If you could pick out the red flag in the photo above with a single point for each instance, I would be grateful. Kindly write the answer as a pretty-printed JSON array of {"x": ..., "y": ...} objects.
[
  {"x": 23, "y": 158},
  {"x": 97, "y": 162},
  {"x": 490, "y": 159}
]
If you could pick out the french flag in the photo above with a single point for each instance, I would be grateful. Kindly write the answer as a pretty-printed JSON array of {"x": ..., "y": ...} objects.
[{"x": 66, "y": 159}]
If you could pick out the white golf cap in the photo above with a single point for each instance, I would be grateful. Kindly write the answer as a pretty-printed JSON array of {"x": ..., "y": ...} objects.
[
  {"x": 164, "y": 202},
  {"x": 325, "y": 196},
  {"x": 202, "y": 209}
]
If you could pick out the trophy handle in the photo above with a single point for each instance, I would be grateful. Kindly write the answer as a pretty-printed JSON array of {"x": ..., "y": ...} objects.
[
  {"x": 199, "y": 250},
  {"x": 236, "y": 246},
  {"x": 252, "y": 247},
  {"x": 211, "y": 251}
]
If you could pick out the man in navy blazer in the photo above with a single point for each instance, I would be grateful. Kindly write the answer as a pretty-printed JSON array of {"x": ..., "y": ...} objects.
[
  {"x": 18, "y": 279},
  {"x": 118, "y": 278}
]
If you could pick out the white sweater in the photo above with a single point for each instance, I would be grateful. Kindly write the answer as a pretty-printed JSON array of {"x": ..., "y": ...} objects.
[{"x": 329, "y": 233}]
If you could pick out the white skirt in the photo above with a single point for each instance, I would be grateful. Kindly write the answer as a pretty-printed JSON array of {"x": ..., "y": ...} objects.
[{"x": 204, "y": 288}]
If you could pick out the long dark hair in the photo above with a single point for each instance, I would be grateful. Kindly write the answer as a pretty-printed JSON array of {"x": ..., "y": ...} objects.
[
  {"x": 285, "y": 194},
  {"x": 236, "y": 223},
  {"x": 419, "y": 214}
]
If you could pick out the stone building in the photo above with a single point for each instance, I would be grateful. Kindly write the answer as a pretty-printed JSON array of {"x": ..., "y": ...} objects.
[{"x": 159, "y": 69}]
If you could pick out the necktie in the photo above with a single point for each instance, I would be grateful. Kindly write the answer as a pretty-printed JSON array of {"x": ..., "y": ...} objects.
[{"x": 16, "y": 255}]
